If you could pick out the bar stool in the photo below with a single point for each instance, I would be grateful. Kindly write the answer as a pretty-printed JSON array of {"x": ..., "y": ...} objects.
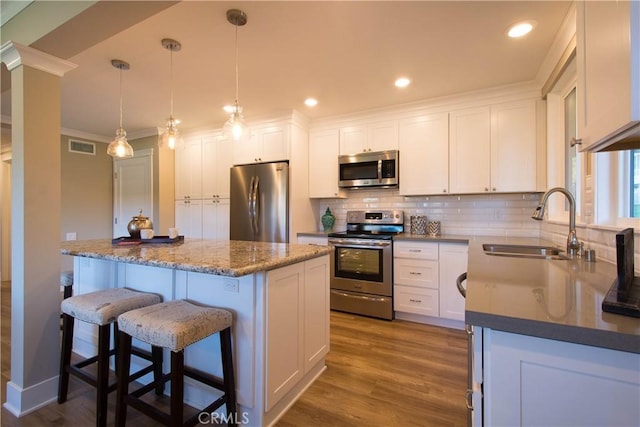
[
  {"x": 102, "y": 308},
  {"x": 175, "y": 325},
  {"x": 66, "y": 281}
]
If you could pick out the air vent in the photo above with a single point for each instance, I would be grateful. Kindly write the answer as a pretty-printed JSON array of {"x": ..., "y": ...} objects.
[{"x": 82, "y": 147}]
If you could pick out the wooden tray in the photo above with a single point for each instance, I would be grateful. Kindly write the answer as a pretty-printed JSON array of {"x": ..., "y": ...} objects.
[{"x": 126, "y": 240}]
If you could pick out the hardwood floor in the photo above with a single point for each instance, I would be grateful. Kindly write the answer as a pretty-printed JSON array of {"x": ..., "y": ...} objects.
[{"x": 379, "y": 373}]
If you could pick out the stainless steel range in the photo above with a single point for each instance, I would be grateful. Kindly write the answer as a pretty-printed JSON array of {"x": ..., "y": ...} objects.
[{"x": 361, "y": 267}]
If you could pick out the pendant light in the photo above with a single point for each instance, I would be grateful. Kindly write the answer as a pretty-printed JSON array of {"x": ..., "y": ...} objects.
[
  {"x": 119, "y": 147},
  {"x": 169, "y": 136},
  {"x": 235, "y": 127}
]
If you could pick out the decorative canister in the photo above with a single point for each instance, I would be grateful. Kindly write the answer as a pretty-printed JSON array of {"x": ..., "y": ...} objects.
[
  {"x": 138, "y": 223},
  {"x": 433, "y": 228},
  {"x": 418, "y": 224},
  {"x": 328, "y": 220}
]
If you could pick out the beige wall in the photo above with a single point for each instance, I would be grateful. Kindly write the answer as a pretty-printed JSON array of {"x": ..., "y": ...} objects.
[{"x": 87, "y": 194}]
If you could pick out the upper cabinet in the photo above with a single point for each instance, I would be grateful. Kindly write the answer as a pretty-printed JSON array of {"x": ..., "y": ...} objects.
[
  {"x": 494, "y": 148},
  {"x": 188, "y": 169},
  {"x": 323, "y": 164},
  {"x": 608, "y": 57},
  {"x": 424, "y": 154},
  {"x": 267, "y": 144},
  {"x": 379, "y": 136},
  {"x": 216, "y": 165}
]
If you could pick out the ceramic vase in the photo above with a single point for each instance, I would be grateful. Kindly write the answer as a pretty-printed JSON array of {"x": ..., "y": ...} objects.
[{"x": 328, "y": 221}]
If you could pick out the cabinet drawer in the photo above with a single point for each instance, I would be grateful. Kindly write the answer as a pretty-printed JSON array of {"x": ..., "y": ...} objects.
[
  {"x": 416, "y": 300},
  {"x": 417, "y": 250},
  {"x": 415, "y": 272}
]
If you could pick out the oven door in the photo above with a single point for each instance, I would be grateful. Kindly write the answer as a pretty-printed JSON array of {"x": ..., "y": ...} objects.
[{"x": 361, "y": 265}]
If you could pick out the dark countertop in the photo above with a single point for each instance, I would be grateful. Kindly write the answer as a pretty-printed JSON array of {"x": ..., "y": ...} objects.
[
  {"x": 555, "y": 299},
  {"x": 225, "y": 258}
]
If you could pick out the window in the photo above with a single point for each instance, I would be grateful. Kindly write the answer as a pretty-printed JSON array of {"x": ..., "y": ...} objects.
[{"x": 634, "y": 184}]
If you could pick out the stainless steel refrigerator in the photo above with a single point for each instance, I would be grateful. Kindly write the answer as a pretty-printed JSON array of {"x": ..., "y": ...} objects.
[{"x": 260, "y": 202}]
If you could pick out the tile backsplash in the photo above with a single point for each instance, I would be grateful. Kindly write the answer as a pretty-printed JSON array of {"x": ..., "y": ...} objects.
[{"x": 473, "y": 215}]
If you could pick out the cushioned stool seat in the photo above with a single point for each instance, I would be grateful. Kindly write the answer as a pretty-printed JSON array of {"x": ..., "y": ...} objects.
[
  {"x": 102, "y": 309},
  {"x": 175, "y": 325}
]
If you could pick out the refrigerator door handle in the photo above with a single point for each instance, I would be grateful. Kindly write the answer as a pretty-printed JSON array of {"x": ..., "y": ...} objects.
[
  {"x": 252, "y": 209},
  {"x": 379, "y": 170},
  {"x": 256, "y": 205}
]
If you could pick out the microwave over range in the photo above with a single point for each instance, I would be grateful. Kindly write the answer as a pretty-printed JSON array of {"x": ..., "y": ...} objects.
[{"x": 371, "y": 169}]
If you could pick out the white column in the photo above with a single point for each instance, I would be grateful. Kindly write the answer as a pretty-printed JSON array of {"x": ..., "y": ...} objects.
[{"x": 35, "y": 226}]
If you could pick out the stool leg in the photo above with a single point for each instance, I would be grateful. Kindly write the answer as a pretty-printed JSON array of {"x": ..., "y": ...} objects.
[
  {"x": 102, "y": 375},
  {"x": 65, "y": 357},
  {"x": 157, "y": 356},
  {"x": 177, "y": 387},
  {"x": 124, "y": 362},
  {"x": 229, "y": 379}
]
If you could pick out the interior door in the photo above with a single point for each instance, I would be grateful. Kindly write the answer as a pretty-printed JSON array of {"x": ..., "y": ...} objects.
[{"x": 132, "y": 189}]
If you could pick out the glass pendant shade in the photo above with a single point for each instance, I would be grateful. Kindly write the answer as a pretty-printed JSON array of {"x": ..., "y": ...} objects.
[
  {"x": 169, "y": 136},
  {"x": 120, "y": 147},
  {"x": 235, "y": 128}
]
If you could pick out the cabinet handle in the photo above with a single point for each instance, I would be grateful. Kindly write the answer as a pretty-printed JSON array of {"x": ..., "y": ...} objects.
[
  {"x": 575, "y": 141},
  {"x": 469, "y": 399},
  {"x": 415, "y": 300},
  {"x": 415, "y": 273},
  {"x": 415, "y": 250}
]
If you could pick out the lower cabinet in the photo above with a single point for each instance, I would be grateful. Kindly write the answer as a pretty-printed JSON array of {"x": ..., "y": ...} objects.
[
  {"x": 532, "y": 381},
  {"x": 203, "y": 219},
  {"x": 189, "y": 218},
  {"x": 313, "y": 240},
  {"x": 424, "y": 279}
]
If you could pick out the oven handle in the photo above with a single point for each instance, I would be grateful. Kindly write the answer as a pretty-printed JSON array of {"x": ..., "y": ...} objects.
[
  {"x": 367, "y": 297},
  {"x": 359, "y": 245}
]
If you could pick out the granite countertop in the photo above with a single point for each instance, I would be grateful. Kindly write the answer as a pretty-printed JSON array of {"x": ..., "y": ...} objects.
[
  {"x": 226, "y": 258},
  {"x": 555, "y": 299}
]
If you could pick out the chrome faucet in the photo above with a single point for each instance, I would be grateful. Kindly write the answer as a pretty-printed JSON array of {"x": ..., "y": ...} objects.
[{"x": 573, "y": 245}]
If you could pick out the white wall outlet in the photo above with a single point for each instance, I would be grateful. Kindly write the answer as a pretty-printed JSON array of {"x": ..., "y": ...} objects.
[
  {"x": 231, "y": 285},
  {"x": 72, "y": 236}
]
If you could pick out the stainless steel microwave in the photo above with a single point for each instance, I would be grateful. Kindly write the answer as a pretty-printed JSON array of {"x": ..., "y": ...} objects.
[{"x": 371, "y": 169}]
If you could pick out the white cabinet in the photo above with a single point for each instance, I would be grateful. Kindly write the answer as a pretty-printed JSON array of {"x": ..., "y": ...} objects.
[
  {"x": 313, "y": 240},
  {"x": 493, "y": 148},
  {"x": 188, "y": 170},
  {"x": 323, "y": 164},
  {"x": 216, "y": 165},
  {"x": 189, "y": 218},
  {"x": 297, "y": 324},
  {"x": 267, "y": 144},
  {"x": 415, "y": 277},
  {"x": 215, "y": 219},
  {"x": 513, "y": 146},
  {"x": 608, "y": 60},
  {"x": 532, "y": 381},
  {"x": 469, "y": 150},
  {"x": 379, "y": 136},
  {"x": 424, "y": 155},
  {"x": 424, "y": 279},
  {"x": 453, "y": 262}
]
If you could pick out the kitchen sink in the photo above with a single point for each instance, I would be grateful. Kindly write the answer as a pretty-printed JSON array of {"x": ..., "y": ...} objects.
[{"x": 523, "y": 251}]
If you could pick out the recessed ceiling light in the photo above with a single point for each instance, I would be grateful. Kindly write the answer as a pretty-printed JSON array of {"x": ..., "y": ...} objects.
[
  {"x": 310, "y": 102},
  {"x": 520, "y": 29},
  {"x": 402, "y": 82}
]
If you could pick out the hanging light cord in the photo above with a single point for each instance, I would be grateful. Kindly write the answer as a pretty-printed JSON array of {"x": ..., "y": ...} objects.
[
  {"x": 171, "y": 81},
  {"x": 120, "y": 97},
  {"x": 236, "y": 24}
]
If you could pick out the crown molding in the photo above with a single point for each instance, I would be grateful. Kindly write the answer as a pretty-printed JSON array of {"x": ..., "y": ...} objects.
[{"x": 15, "y": 54}]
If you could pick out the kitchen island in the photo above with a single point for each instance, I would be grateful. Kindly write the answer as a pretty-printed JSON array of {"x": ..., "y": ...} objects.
[
  {"x": 279, "y": 294},
  {"x": 544, "y": 352}
]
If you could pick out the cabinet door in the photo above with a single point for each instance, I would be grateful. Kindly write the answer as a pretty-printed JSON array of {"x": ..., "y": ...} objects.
[
  {"x": 608, "y": 58},
  {"x": 415, "y": 272},
  {"x": 424, "y": 155},
  {"x": 353, "y": 139},
  {"x": 274, "y": 144},
  {"x": 215, "y": 219},
  {"x": 284, "y": 331},
  {"x": 188, "y": 170},
  {"x": 469, "y": 150},
  {"x": 453, "y": 262},
  {"x": 513, "y": 146},
  {"x": 316, "y": 311},
  {"x": 222, "y": 220},
  {"x": 382, "y": 136},
  {"x": 216, "y": 164},
  {"x": 189, "y": 218},
  {"x": 323, "y": 164}
]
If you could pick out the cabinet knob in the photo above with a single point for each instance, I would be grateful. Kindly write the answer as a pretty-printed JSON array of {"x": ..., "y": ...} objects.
[
  {"x": 575, "y": 141},
  {"x": 486, "y": 188},
  {"x": 444, "y": 191},
  {"x": 493, "y": 189}
]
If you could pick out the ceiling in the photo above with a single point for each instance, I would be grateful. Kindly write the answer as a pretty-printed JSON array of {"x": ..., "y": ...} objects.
[{"x": 344, "y": 53}]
